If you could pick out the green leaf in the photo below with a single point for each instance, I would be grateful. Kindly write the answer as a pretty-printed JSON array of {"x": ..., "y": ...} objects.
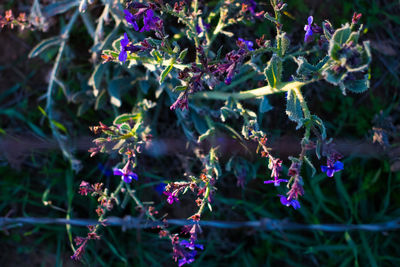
[
  {"x": 320, "y": 125},
  {"x": 357, "y": 86},
  {"x": 333, "y": 52},
  {"x": 365, "y": 58},
  {"x": 313, "y": 170},
  {"x": 96, "y": 78},
  {"x": 157, "y": 56},
  {"x": 218, "y": 56},
  {"x": 59, "y": 7},
  {"x": 199, "y": 123},
  {"x": 334, "y": 78},
  {"x": 115, "y": 87},
  {"x": 59, "y": 126},
  {"x": 293, "y": 108},
  {"x": 154, "y": 42},
  {"x": 285, "y": 43},
  {"x": 327, "y": 33},
  {"x": 265, "y": 106},
  {"x": 341, "y": 35},
  {"x": 354, "y": 37},
  {"x": 183, "y": 53},
  {"x": 43, "y": 45},
  {"x": 144, "y": 86},
  {"x": 304, "y": 68},
  {"x": 100, "y": 100},
  {"x": 208, "y": 133},
  {"x": 165, "y": 72},
  {"x": 273, "y": 71},
  {"x": 180, "y": 88},
  {"x": 125, "y": 127},
  {"x": 126, "y": 117}
]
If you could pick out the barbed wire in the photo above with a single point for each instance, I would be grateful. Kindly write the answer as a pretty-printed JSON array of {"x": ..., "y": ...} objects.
[{"x": 265, "y": 224}]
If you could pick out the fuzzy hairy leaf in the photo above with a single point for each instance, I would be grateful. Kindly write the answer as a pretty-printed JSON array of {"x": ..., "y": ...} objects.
[
  {"x": 273, "y": 71},
  {"x": 125, "y": 118},
  {"x": 293, "y": 108},
  {"x": 43, "y": 45},
  {"x": 285, "y": 43},
  {"x": 341, "y": 35},
  {"x": 357, "y": 86},
  {"x": 165, "y": 72}
]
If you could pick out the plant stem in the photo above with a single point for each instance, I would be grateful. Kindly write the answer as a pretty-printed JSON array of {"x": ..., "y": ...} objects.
[
  {"x": 306, "y": 111},
  {"x": 205, "y": 199},
  {"x": 254, "y": 93}
]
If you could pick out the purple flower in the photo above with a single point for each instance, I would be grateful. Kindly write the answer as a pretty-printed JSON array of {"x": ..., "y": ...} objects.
[
  {"x": 160, "y": 188},
  {"x": 308, "y": 29},
  {"x": 186, "y": 256},
  {"x": 330, "y": 170},
  {"x": 171, "y": 197},
  {"x": 131, "y": 19},
  {"x": 188, "y": 259},
  {"x": 293, "y": 202},
  {"x": 248, "y": 44},
  {"x": 123, "y": 55},
  {"x": 191, "y": 245},
  {"x": 206, "y": 27},
  {"x": 127, "y": 46},
  {"x": 276, "y": 181},
  {"x": 127, "y": 176},
  {"x": 149, "y": 21}
]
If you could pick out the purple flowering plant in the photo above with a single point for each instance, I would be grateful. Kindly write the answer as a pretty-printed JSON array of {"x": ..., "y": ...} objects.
[{"x": 205, "y": 85}]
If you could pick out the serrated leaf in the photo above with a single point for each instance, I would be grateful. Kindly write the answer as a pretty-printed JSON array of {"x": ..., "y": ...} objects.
[
  {"x": 357, "y": 86},
  {"x": 165, "y": 72},
  {"x": 273, "y": 71},
  {"x": 125, "y": 118},
  {"x": 293, "y": 108},
  {"x": 43, "y": 45}
]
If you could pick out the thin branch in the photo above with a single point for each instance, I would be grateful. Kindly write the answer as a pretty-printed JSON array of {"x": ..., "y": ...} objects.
[{"x": 265, "y": 224}]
